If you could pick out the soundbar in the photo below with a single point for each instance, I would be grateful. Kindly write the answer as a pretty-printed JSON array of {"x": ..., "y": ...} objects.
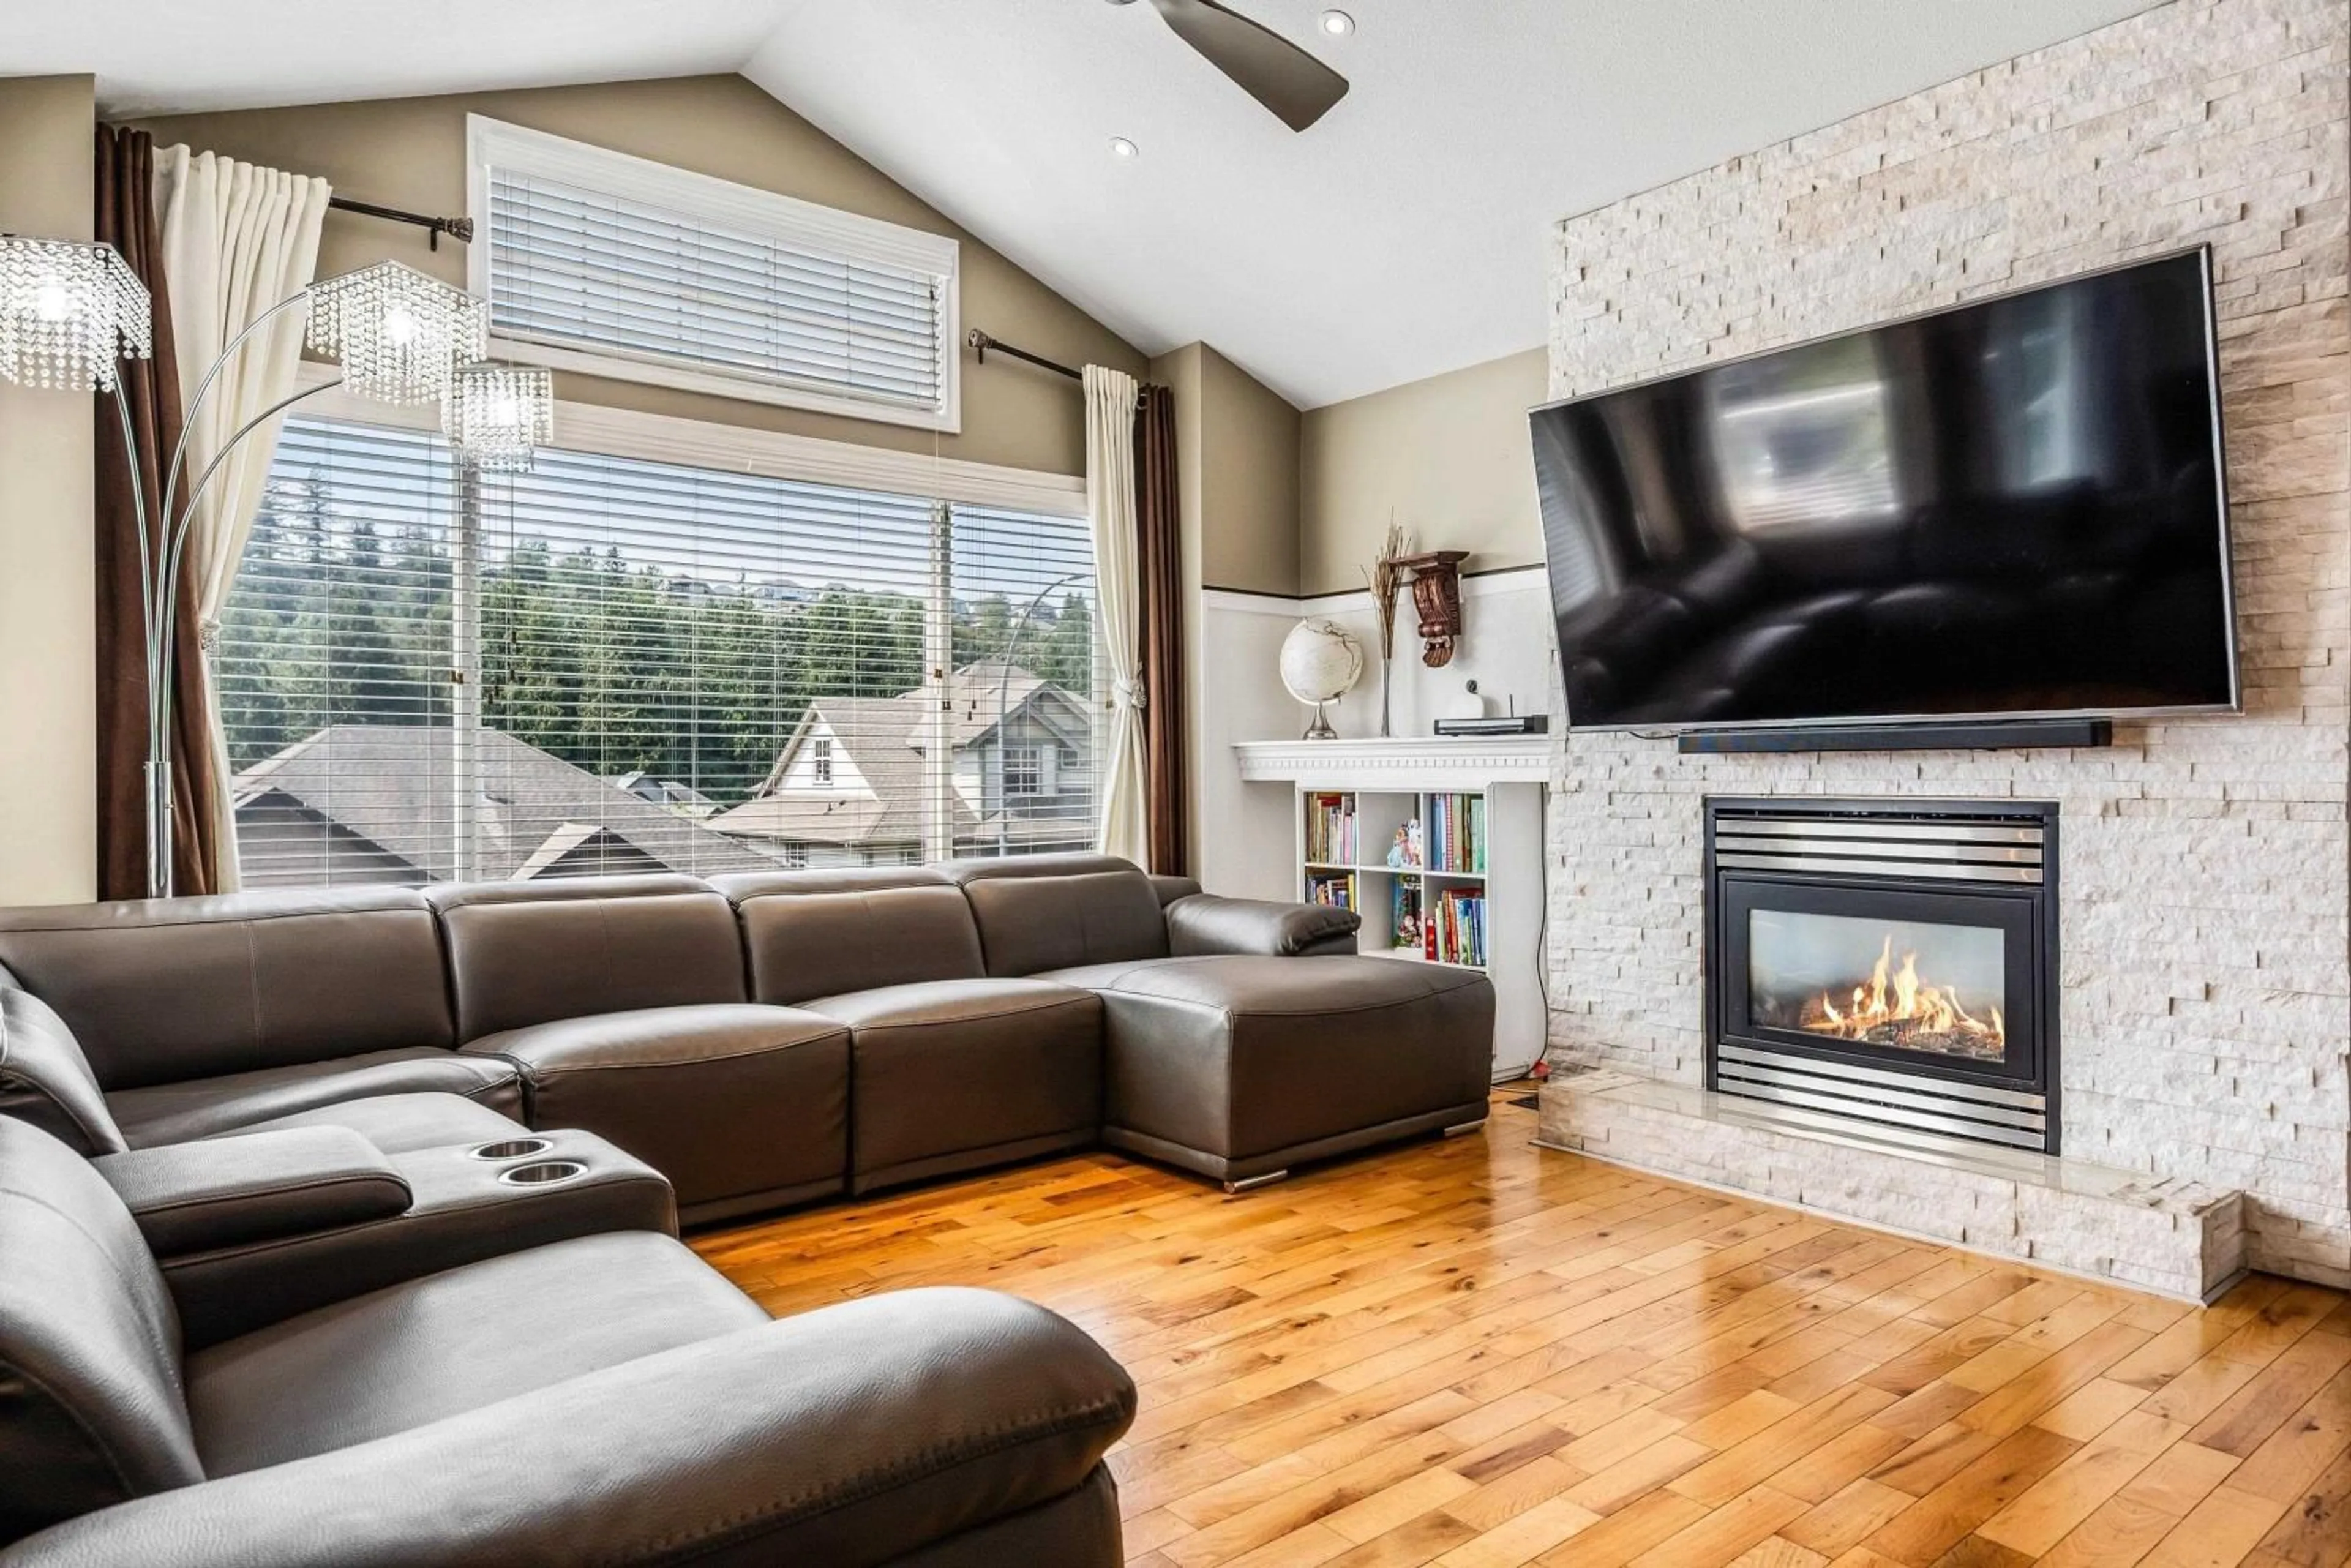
[
  {"x": 1496, "y": 724},
  {"x": 1997, "y": 735}
]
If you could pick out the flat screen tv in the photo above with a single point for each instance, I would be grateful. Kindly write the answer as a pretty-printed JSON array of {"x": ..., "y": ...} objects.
[{"x": 2014, "y": 508}]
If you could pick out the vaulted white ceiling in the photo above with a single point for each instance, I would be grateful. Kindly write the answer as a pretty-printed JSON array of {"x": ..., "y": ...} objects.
[{"x": 1400, "y": 237}]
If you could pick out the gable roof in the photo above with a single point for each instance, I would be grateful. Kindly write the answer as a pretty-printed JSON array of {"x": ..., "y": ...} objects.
[
  {"x": 535, "y": 813},
  {"x": 883, "y": 738}
]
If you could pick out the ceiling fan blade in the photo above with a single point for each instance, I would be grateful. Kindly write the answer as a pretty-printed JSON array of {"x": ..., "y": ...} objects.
[{"x": 1297, "y": 86}]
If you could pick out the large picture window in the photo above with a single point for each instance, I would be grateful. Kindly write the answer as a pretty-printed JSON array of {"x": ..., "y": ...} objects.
[{"x": 612, "y": 664}]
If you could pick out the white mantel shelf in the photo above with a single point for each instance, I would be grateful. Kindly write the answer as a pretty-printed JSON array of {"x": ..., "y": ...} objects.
[{"x": 1415, "y": 762}]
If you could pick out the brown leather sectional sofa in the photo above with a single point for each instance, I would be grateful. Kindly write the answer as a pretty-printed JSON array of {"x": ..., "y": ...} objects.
[
  {"x": 284, "y": 1282},
  {"x": 761, "y": 1040}
]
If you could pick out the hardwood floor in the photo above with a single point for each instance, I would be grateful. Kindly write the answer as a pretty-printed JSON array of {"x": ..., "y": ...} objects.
[{"x": 1476, "y": 1353}]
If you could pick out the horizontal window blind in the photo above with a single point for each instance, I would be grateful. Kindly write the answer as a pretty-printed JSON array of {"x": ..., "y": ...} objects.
[
  {"x": 694, "y": 627},
  {"x": 1025, "y": 701},
  {"x": 334, "y": 662},
  {"x": 609, "y": 665},
  {"x": 577, "y": 268}
]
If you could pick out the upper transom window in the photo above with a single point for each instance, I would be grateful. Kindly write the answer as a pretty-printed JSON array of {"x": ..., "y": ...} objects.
[{"x": 611, "y": 264}]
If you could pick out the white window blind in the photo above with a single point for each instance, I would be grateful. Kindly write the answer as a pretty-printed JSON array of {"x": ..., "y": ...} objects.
[
  {"x": 334, "y": 662},
  {"x": 598, "y": 261},
  {"x": 614, "y": 664},
  {"x": 1028, "y": 670}
]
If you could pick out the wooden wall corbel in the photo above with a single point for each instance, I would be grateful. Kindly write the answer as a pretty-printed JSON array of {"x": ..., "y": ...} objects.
[{"x": 1436, "y": 595}]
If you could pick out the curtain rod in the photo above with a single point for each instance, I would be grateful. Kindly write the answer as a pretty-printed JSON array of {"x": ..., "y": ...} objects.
[
  {"x": 981, "y": 342},
  {"x": 456, "y": 228}
]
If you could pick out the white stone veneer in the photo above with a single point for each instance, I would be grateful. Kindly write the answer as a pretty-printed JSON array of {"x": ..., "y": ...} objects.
[{"x": 2206, "y": 965}]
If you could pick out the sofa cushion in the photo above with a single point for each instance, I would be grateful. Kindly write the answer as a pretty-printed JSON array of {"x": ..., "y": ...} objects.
[
  {"x": 174, "y": 1112},
  {"x": 1056, "y": 911},
  {"x": 525, "y": 952},
  {"x": 954, "y": 1074},
  {"x": 824, "y": 933},
  {"x": 733, "y": 1101},
  {"x": 405, "y": 1124},
  {"x": 452, "y": 1342},
  {"x": 47, "y": 1080},
  {"x": 161, "y": 991},
  {"x": 93, "y": 1411}
]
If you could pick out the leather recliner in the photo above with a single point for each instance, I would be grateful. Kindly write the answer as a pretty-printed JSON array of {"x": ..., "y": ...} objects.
[{"x": 606, "y": 1398}]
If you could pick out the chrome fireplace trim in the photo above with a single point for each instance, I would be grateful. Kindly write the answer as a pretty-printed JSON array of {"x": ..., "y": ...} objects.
[
  {"x": 2017, "y": 1119},
  {"x": 1942, "y": 852},
  {"x": 2006, "y": 852}
]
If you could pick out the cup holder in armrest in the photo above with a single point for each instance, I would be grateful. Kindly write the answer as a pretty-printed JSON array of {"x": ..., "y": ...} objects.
[
  {"x": 510, "y": 1148},
  {"x": 541, "y": 1173}
]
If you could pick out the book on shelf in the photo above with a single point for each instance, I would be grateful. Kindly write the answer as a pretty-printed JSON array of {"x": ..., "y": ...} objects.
[
  {"x": 1457, "y": 927},
  {"x": 1338, "y": 892},
  {"x": 1457, "y": 834},
  {"x": 1331, "y": 830}
]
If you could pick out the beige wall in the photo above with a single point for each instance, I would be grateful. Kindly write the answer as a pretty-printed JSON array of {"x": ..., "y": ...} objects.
[
  {"x": 1237, "y": 469},
  {"x": 410, "y": 153},
  {"x": 1446, "y": 456},
  {"x": 1248, "y": 482},
  {"x": 47, "y": 689},
  {"x": 1237, "y": 477}
]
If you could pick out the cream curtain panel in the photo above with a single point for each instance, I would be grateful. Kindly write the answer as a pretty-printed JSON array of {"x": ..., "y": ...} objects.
[
  {"x": 1111, "y": 397},
  {"x": 237, "y": 239}
]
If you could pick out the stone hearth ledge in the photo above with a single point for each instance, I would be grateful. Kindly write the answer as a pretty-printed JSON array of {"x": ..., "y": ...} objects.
[{"x": 2175, "y": 1239}]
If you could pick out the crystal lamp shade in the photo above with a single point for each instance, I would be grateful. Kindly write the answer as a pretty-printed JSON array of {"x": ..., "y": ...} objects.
[
  {"x": 498, "y": 415},
  {"x": 399, "y": 335},
  {"x": 68, "y": 312}
]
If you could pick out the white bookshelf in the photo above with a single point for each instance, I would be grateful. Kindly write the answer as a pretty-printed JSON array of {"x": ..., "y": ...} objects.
[{"x": 1407, "y": 784}]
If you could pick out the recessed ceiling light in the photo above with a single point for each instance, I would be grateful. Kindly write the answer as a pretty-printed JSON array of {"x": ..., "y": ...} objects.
[
  {"x": 1120, "y": 147},
  {"x": 1338, "y": 24}
]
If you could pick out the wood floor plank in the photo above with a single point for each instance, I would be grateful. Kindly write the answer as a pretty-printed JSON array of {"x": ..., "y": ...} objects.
[{"x": 1474, "y": 1354}]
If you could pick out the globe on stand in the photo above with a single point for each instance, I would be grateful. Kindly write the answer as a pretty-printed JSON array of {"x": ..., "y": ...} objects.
[{"x": 1320, "y": 664}]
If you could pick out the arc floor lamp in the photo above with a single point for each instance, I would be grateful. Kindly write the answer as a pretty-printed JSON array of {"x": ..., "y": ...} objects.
[{"x": 70, "y": 311}]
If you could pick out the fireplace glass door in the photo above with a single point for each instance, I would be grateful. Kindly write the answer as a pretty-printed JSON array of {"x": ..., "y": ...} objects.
[{"x": 1940, "y": 982}]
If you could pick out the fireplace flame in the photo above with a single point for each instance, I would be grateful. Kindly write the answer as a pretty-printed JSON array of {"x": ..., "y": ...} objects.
[{"x": 1894, "y": 1007}]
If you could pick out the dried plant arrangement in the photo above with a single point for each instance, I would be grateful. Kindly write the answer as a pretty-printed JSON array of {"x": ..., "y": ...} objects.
[{"x": 1384, "y": 579}]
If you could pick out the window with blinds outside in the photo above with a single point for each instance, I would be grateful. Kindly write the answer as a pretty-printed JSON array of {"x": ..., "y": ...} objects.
[
  {"x": 611, "y": 665},
  {"x": 598, "y": 261}
]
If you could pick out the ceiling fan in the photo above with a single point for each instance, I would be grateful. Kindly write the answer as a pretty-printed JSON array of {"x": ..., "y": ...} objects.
[{"x": 1297, "y": 86}]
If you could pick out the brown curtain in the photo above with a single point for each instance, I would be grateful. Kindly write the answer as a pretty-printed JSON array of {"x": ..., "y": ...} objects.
[
  {"x": 126, "y": 220},
  {"x": 1162, "y": 563}
]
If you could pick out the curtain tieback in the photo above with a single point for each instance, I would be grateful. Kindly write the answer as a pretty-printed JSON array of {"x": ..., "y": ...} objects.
[
  {"x": 1128, "y": 694},
  {"x": 208, "y": 635}
]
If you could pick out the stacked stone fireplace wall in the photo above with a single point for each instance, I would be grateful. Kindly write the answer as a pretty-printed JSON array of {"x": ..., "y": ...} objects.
[{"x": 2204, "y": 964}]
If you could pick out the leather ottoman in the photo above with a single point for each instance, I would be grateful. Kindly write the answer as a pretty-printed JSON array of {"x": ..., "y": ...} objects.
[{"x": 1241, "y": 1067}]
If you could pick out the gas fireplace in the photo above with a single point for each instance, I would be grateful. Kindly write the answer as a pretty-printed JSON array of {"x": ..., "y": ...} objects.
[{"x": 1887, "y": 964}]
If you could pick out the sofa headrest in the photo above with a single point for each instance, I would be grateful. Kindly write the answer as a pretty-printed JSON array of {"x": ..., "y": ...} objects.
[
  {"x": 996, "y": 868},
  {"x": 96, "y": 1408},
  {"x": 562, "y": 890},
  {"x": 740, "y": 887},
  {"x": 824, "y": 934},
  {"x": 525, "y": 952},
  {"x": 165, "y": 991},
  {"x": 1060, "y": 912},
  {"x": 46, "y": 1080},
  {"x": 147, "y": 914}
]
